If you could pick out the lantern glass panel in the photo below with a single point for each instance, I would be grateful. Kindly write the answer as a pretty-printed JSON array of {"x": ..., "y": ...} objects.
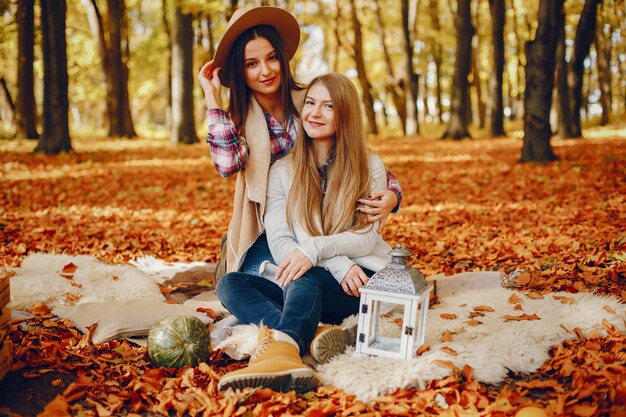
[{"x": 383, "y": 334}]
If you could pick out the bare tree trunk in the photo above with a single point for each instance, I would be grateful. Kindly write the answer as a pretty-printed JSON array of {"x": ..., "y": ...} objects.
[
  {"x": 233, "y": 6},
  {"x": 436, "y": 45},
  {"x": 25, "y": 113},
  {"x": 480, "y": 102},
  {"x": 582, "y": 42},
  {"x": 496, "y": 107},
  {"x": 113, "y": 46},
  {"x": 368, "y": 99},
  {"x": 541, "y": 62},
  {"x": 122, "y": 124},
  {"x": 411, "y": 79},
  {"x": 168, "y": 56},
  {"x": 565, "y": 124},
  {"x": 55, "y": 137},
  {"x": 457, "y": 125},
  {"x": 516, "y": 98},
  {"x": 336, "y": 31},
  {"x": 206, "y": 25},
  {"x": 7, "y": 95},
  {"x": 96, "y": 25},
  {"x": 391, "y": 83},
  {"x": 621, "y": 64},
  {"x": 603, "y": 51},
  {"x": 129, "y": 127},
  {"x": 116, "y": 127},
  {"x": 183, "y": 121}
]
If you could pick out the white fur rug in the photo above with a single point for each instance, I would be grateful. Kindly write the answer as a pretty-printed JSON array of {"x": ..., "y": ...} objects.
[
  {"x": 492, "y": 347},
  {"x": 40, "y": 278}
]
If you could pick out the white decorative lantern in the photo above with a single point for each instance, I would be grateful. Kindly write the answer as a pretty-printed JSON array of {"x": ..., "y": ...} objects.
[{"x": 396, "y": 285}]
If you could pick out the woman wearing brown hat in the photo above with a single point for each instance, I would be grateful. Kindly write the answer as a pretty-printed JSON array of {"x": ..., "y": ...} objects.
[{"x": 252, "y": 59}]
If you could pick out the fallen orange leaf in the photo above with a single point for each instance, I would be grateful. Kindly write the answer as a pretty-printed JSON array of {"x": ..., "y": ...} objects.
[
  {"x": 522, "y": 317},
  {"x": 449, "y": 351},
  {"x": 68, "y": 271},
  {"x": 422, "y": 349}
]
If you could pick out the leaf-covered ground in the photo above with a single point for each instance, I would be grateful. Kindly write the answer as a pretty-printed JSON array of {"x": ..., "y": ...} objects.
[{"x": 468, "y": 206}]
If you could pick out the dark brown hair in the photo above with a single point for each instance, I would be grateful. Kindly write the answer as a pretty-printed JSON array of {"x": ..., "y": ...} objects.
[{"x": 240, "y": 92}]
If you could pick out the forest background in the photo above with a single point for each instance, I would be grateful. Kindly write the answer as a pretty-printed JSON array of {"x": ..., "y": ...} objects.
[
  {"x": 528, "y": 81},
  {"x": 423, "y": 66}
]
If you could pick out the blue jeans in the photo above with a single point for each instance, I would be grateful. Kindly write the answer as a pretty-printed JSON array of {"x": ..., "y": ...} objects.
[
  {"x": 258, "y": 252},
  {"x": 295, "y": 309}
]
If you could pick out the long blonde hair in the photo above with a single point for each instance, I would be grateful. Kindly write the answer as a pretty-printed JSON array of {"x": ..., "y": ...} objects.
[{"x": 348, "y": 176}]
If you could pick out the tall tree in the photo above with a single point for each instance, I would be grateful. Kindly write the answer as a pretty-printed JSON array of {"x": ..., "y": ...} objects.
[
  {"x": 337, "y": 33},
  {"x": 7, "y": 96},
  {"x": 582, "y": 42},
  {"x": 411, "y": 79},
  {"x": 183, "y": 121},
  {"x": 565, "y": 124},
  {"x": 206, "y": 27},
  {"x": 391, "y": 84},
  {"x": 436, "y": 50},
  {"x": 26, "y": 115},
  {"x": 603, "y": 53},
  {"x": 112, "y": 40},
  {"x": 234, "y": 5},
  {"x": 457, "y": 125},
  {"x": 122, "y": 124},
  {"x": 168, "y": 56},
  {"x": 366, "y": 86},
  {"x": 55, "y": 137},
  {"x": 496, "y": 107},
  {"x": 520, "y": 59},
  {"x": 480, "y": 103},
  {"x": 541, "y": 62}
]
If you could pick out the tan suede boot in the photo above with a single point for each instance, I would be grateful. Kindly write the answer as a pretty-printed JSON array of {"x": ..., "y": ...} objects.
[
  {"x": 330, "y": 341},
  {"x": 276, "y": 364}
]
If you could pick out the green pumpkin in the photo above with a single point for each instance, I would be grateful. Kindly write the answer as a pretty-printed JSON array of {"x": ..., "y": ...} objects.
[{"x": 176, "y": 341}]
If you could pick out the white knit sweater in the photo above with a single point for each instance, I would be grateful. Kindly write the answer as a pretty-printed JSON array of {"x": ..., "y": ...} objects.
[{"x": 336, "y": 253}]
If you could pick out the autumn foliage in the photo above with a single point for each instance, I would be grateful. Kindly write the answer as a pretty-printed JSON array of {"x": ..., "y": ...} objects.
[{"x": 467, "y": 206}]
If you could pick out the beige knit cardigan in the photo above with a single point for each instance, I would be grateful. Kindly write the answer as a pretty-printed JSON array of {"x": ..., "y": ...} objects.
[{"x": 246, "y": 223}]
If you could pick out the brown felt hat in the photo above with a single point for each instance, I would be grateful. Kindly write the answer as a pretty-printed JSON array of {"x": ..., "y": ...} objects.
[{"x": 243, "y": 19}]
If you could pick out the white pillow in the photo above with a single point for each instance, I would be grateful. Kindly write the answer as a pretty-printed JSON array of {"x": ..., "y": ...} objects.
[{"x": 123, "y": 319}]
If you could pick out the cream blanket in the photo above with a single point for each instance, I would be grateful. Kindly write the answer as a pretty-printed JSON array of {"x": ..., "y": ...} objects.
[{"x": 492, "y": 347}]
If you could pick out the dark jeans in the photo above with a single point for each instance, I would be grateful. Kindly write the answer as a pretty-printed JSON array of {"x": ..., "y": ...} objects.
[
  {"x": 258, "y": 252},
  {"x": 295, "y": 309}
]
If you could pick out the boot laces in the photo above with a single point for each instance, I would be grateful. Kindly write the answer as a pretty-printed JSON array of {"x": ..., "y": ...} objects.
[{"x": 262, "y": 346}]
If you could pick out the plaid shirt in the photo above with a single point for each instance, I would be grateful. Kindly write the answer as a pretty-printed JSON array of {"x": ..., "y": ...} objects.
[{"x": 230, "y": 155}]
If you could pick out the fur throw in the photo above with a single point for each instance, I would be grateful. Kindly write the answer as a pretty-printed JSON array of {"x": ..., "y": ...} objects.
[
  {"x": 493, "y": 345},
  {"x": 39, "y": 279}
]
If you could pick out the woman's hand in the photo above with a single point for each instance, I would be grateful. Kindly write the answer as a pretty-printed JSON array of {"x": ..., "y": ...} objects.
[
  {"x": 378, "y": 206},
  {"x": 211, "y": 85},
  {"x": 354, "y": 279},
  {"x": 292, "y": 268}
]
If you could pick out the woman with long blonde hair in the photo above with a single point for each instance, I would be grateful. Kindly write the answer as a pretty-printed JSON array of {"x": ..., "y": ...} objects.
[
  {"x": 325, "y": 247},
  {"x": 260, "y": 125}
]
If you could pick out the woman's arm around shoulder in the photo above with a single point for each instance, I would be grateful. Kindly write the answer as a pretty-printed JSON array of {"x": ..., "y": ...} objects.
[{"x": 354, "y": 243}]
